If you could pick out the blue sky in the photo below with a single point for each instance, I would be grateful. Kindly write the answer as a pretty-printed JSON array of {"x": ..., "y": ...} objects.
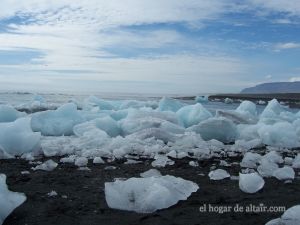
[{"x": 148, "y": 46}]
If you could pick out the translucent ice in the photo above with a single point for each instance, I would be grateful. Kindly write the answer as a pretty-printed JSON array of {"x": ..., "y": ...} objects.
[
  {"x": 8, "y": 200},
  {"x": 9, "y": 114},
  {"x": 218, "y": 174},
  {"x": 49, "y": 165},
  {"x": 169, "y": 104},
  {"x": 284, "y": 173},
  {"x": 146, "y": 195},
  {"x": 251, "y": 183}
]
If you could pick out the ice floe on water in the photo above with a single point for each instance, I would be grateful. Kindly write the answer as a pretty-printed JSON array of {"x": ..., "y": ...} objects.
[
  {"x": 146, "y": 195},
  {"x": 8, "y": 200}
]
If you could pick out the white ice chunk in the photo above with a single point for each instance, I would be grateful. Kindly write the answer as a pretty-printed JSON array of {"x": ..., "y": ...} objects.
[
  {"x": 251, "y": 183},
  {"x": 151, "y": 173},
  {"x": 192, "y": 114},
  {"x": 221, "y": 129},
  {"x": 146, "y": 195},
  {"x": 202, "y": 99},
  {"x": 98, "y": 160},
  {"x": 296, "y": 163},
  {"x": 17, "y": 137},
  {"x": 57, "y": 123},
  {"x": 49, "y": 165},
  {"x": 8, "y": 200},
  {"x": 81, "y": 161},
  {"x": 274, "y": 157},
  {"x": 162, "y": 161},
  {"x": 9, "y": 114},
  {"x": 250, "y": 160},
  {"x": 218, "y": 174},
  {"x": 284, "y": 173},
  {"x": 290, "y": 217},
  {"x": 267, "y": 168},
  {"x": 247, "y": 108},
  {"x": 228, "y": 101},
  {"x": 169, "y": 104}
]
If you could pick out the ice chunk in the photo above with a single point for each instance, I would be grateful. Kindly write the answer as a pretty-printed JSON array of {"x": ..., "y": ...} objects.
[
  {"x": 52, "y": 194},
  {"x": 221, "y": 129},
  {"x": 17, "y": 137},
  {"x": 202, "y": 99},
  {"x": 58, "y": 122},
  {"x": 250, "y": 160},
  {"x": 107, "y": 124},
  {"x": 274, "y": 157},
  {"x": 49, "y": 165},
  {"x": 267, "y": 168},
  {"x": 192, "y": 114},
  {"x": 290, "y": 217},
  {"x": 98, "y": 160},
  {"x": 285, "y": 173},
  {"x": 281, "y": 134},
  {"x": 81, "y": 161},
  {"x": 251, "y": 183},
  {"x": 169, "y": 104},
  {"x": 162, "y": 161},
  {"x": 237, "y": 117},
  {"x": 276, "y": 111},
  {"x": 9, "y": 114},
  {"x": 8, "y": 200},
  {"x": 228, "y": 101},
  {"x": 146, "y": 195},
  {"x": 193, "y": 163},
  {"x": 218, "y": 174},
  {"x": 151, "y": 173},
  {"x": 296, "y": 163},
  {"x": 247, "y": 108},
  {"x": 93, "y": 101}
]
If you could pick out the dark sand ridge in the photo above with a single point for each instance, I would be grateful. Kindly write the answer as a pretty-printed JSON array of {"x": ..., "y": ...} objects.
[{"x": 85, "y": 202}]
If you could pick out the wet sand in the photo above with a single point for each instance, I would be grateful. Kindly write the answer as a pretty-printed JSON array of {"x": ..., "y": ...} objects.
[{"x": 81, "y": 197}]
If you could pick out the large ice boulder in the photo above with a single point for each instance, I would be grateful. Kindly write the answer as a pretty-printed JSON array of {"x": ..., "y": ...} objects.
[
  {"x": 220, "y": 128},
  {"x": 146, "y": 195},
  {"x": 17, "y": 137},
  {"x": 284, "y": 173},
  {"x": 276, "y": 111},
  {"x": 9, "y": 114},
  {"x": 8, "y": 200},
  {"x": 247, "y": 108},
  {"x": 169, "y": 104},
  {"x": 58, "y": 122},
  {"x": 251, "y": 183},
  {"x": 107, "y": 124},
  {"x": 251, "y": 160},
  {"x": 192, "y": 114}
]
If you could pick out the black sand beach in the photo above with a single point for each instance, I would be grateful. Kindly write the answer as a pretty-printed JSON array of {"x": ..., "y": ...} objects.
[{"x": 81, "y": 198}]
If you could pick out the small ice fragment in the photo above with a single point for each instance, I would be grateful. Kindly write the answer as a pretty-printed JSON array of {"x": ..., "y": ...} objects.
[
  {"x": 250, "y": 160},
  {"x": 81, "y": 161},
  {"x": 288, "y": 161},
  {"x": 110, "y": 168},
  {"x": 69, "y": 159},
  {"x": 84, "y": 168},
  {"x": 132, "y": 161},
  {"x": 151, "y": 173},
  {"x": 25, "y": 172},
  {"x": 52, "y": 194},
  {"x": 162, "y": 161},
  {"x": 193, "y": 163},
  {"x": 49, "y": 165},
  {"x": 64, "y": 196},
  {"x": 218, "y": 174},
  {"x": 251, "y": 183},
  {"x": 284, "y": 173},
  {"x": 267, "y": 168},
  {"x": 98, "y": 160}
]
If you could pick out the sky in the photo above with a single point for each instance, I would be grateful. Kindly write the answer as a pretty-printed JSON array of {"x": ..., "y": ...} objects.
[{"x": 147, "y": 46}]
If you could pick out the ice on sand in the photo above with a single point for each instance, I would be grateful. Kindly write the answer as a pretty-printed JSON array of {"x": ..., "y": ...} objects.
[
  {"x": 290, "y": 217},
  {"x": 49, "y": 165},
  {"x": 146, "y": 195},
  {"x": 251, "y": 183},
  {"x": 218, "y": 174},
  {"x": 8, "y": 200},
  {"x": 284, "y": 173}
]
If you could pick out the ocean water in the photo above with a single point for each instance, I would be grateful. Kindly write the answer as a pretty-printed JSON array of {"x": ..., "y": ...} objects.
[{"x": 18, "y": 98}]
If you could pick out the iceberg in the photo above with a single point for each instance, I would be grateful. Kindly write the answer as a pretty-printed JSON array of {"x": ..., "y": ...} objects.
[
  {"x": 17, "y": 137},
  {"x": 9, "y": 200},
  {"x": 147, "y": 195},
  {"x": 221, "y": 129},
  {"x": 218, "y": 174},
  {"x": 57, "y": 123},
  {"x": 192, "y": 114},
  {"x": 251, "y": 183},
  {"x": 247, "y": 108},
  {"x": 9, "y": 114}
]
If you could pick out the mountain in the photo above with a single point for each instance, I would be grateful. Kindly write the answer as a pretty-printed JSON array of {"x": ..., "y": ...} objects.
[{"x": 278, "y": 87}]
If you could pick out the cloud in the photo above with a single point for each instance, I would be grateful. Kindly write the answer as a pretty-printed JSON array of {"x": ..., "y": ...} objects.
[{"x": 288, "y": 45}]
